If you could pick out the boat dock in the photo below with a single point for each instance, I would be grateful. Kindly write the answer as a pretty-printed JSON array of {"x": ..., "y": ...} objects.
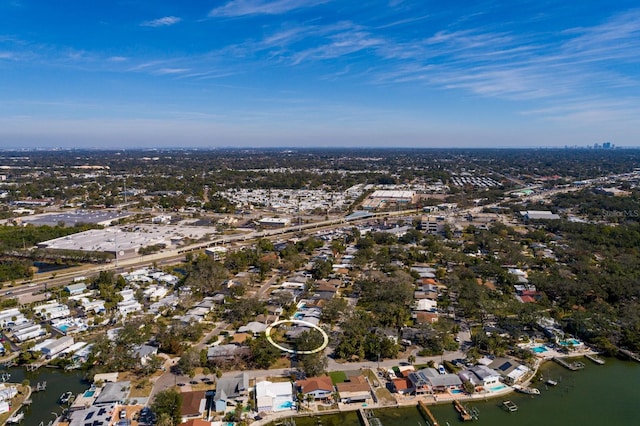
[
  {"x": 595, "y": 359},
  {"x": 573, "y": 366},
  {"x": 629, "y": 354},
  {"x": 363, "y": 417},
  {"x": 464, "y": 413},
  {"x": 424, "y": 410}
]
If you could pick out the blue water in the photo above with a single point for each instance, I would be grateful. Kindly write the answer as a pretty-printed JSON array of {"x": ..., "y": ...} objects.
[
  {"x": 63, "y": 328},
  {"x": 455, "y": 391},
  {"x": 573, "y": 342},
  {"x": 540, "y": 349},
  {"x": 89, "y": 393},
  {"x": 285, "y": 405}
]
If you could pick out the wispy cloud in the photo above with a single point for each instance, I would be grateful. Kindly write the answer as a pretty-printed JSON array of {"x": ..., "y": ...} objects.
[
  {"x": 262, "y": 7},
  {"x": 165, "y": 71},
  {"x": 162, "y": 22}
]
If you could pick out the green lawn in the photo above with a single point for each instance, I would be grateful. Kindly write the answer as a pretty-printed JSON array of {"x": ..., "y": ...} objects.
[{"x": 337, "y": 377}]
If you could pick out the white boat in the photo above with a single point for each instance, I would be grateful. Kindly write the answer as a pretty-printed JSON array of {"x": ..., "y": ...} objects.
[
  {"x": 528, "y": 391},
  {"x": 16, "y": 418},
  {"x": 551, "y": 382},
  {"x": 65, "y": 398}
]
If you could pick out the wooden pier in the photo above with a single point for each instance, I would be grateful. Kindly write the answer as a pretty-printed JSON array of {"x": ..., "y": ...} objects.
[
  {"x": 595, "y": 359},
  {"x": 629, "y": 354},
  {"x": 464, "y": 414},
  {"x": 424, "y": 410},
  {"x": 573, "y": 366},
  {"x": 363, "y": 417}
]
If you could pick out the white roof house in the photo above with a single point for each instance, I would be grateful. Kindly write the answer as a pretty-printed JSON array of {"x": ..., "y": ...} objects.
[
  {"x": 274, "y": 396},
  {"x": 57, "y": 346},
  {"x": 128, "y": 306},
  {"x": 426, "y": 305}
]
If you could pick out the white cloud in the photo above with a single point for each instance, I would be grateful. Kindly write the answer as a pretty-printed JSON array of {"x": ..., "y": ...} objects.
[
  {"x": 162, "y": 22},
  {"x": 262, "y": 7}
]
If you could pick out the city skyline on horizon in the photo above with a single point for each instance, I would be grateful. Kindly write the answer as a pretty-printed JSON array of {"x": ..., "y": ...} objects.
[{"x": 318, "y": 73}]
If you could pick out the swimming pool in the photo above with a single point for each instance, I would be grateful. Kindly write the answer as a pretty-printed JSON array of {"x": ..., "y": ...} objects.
[
  {"x": 497, "y": 388},
  {"x": 89, "y": 393},
  {"x": 539, "y": 349},
  {"x": 570, "y": 342},
  {"x": 284, "y": 405},
  {"x": 63, "y": 328},
  {"x": 455, "y": 391}
]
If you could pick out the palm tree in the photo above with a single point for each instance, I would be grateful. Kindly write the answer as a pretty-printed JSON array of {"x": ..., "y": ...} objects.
[
  {"x": 411, "y": 359},
  {"x": 309, "y": 397}
]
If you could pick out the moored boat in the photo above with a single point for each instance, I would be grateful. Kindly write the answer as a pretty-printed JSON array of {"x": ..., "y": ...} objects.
[
  {"x": 551, "y": 382},
  {"x": 528, "y": 391},
  {"x": 65, "y": 398},
  {"x": 16, "y": 418}
]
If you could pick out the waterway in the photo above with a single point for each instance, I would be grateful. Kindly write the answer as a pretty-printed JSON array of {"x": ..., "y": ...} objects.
[
  {"x": 597, "y": 395},
  {"x": 45, "y": 404}
]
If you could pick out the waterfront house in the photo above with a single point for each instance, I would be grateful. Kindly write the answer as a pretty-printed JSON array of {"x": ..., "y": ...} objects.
[
  {"x": 480, "y": 375},
  {"x": 355, "y": 390},
  {"x": 56, "y": 346},
  {"x": 510, "y": 370},
  {"x": 319, "y": 387},
  {"x": 274, "y": 396},
  {"x": 114, "y": 393},
  {"x": 402, "y": 385},
  {"x": 430, "y": 379}
]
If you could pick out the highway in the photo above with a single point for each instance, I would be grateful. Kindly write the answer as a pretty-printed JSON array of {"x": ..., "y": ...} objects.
[{"x": 51, "y": 280}]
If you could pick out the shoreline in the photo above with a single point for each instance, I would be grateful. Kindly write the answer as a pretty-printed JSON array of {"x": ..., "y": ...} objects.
[{"x": 429, "y": 400}]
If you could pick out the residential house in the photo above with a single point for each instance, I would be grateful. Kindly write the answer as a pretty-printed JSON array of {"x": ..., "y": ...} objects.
[
  {"x": 510, "y": 370},
  {"x": 480, "y": 375},
  {"x": 193, "y": 404},
  {"x": 230, "y": 389},
  {"x": 274, "y": 396},
  {"x": 223, "y": 352},
  {"x": 319, "y": 387},
  {"x": 144, "y": 353},
  {"x": 356, "y": 389},
  {"x": 402, "y": 385}
]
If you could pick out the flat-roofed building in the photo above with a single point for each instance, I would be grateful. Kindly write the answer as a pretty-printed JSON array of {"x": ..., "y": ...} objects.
[
  {"x": 433, "y": 225},
  {"x": 274, "y": 222},
  {"x": 538, "y": 215}
]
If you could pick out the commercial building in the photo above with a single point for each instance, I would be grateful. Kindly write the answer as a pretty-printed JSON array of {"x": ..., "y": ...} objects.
[{"x": 433, "y": 225}]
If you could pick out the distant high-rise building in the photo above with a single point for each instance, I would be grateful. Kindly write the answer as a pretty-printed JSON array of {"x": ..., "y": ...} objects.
[{"x": 607, "y": 145}]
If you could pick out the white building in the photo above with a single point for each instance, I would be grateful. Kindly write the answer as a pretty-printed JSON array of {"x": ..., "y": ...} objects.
[
  {"x": 274, "y": 396},
  {"x": 56, "y": 346},
  {"x": 128, "y": 306},
  {"x": 11, "y": 316},
  {"x": 52, "y": 310}
]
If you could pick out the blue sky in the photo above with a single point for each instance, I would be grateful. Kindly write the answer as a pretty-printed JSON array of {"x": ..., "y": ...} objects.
[{"x": 415, "y": 73}]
